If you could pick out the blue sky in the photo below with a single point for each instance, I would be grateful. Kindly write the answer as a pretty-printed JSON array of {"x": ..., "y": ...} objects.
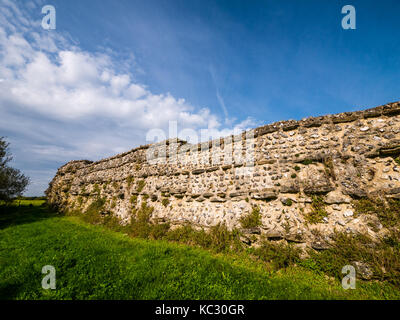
[{"x": 113, "y": 70}]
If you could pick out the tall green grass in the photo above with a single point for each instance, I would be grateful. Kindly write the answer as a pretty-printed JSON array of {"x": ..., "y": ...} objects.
[{"x": 93, "y": 262}]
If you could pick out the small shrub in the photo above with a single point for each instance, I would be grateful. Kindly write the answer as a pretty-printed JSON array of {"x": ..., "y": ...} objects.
[
  {"x": 251, "y": 220},
  {"x": 96, "y": 206},
  {"x": 287, "y": 202},
  {"x": 92, "y": 213},
  {"x": 318, "y": 212},
  {"x": 96, "y": 189},
  {"x": 165, "y": 202},
  {"x": 140, "y": 185},
  {"x": 306, "y": 162},
  {"x": 382, "y": 258},
  {"x": 278, "y": 254},
  {"x": 133, "y": 200},
  {"x": 328, "y": 162},
  {"x": 112, "y": 222},
  {"x": 293, "y": 176},
  {"x": 188, "y": 235},
  {"x": 130, "y": 180},
  {"x": 218, "y": 238},
  {"x": 222, "y": 240},
  {"x": 368, "y": 206},
  {"x": 286, "y": 227},
  {"x": 388, "y": 212},
  {"x": 297, "y": 168},
  {"x": 140, "y": 222},
  {"x": 159, "y": 231}
]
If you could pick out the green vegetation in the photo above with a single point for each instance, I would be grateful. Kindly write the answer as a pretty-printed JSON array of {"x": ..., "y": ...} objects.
[
  {"x": 113, "y": 204},
  {"x": 318, "y": 212},
  {"x": 96, "y": 189},
  {"x": 287, "y": 202},
  {"x": 279, "y": 255},
  {"x": 12, "y": 181},
  {"x": 140, "y": 185},
  {"x": 94, "y": 262},
  {"x": 293, "y": 175},
  {"x": 306, "y": 162},
  {"x": 133, "y": 200},
  {"x": 218, "y": 238},
  {"x": 140, "y": 222},
  {"x": 297, "y": 168},
  {"x": 387, "y": 211},
  {"x": 93, "y": 212},
  {"x": 382, "y": 258},
  {"x": 329, "y": 170},
  {"x": 37, "y": 202},
  {"x": 130, "y": 180},
  {"x": 80, "y": 200},
  {"x": 30, "y": 198},
  {"x": 252, "y": 219},
  {"x": 165, "y": 202},
  {"x": 115, "y": 185}
]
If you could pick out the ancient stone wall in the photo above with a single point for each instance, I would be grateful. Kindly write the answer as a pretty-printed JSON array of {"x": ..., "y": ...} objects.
[{"x": 286, "y": 169}]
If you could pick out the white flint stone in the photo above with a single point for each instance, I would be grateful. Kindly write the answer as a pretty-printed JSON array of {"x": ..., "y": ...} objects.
[{"x": 348, "y": 213}]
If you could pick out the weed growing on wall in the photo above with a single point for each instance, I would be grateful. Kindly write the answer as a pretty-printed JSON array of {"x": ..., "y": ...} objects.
[
  {"x": 252, "y": 219},
  {"x": 140, "y": 185},
  {"x": 318, "y": 212}
]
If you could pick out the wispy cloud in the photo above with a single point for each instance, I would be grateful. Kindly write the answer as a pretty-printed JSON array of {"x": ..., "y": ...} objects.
[{"x": 218, "y": 95}]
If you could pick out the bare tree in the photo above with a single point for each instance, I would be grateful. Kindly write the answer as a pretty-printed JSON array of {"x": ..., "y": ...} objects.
[{"x": 12, "y": 181}]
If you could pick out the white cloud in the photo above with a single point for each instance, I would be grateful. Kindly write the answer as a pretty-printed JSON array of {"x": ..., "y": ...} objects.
[{"x": 64, "y": 103}]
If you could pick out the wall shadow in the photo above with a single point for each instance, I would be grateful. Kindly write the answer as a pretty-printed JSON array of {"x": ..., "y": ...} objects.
[{"x": 14, "y": 215}]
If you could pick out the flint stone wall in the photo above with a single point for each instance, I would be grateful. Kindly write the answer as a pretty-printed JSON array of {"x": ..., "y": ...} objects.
[{"x": 277, "y": 167}]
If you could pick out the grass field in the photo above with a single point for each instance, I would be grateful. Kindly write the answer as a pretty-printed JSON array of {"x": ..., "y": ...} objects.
[
  {"x": 23, "y": 202},
  {"x": 92, "y": 262}
]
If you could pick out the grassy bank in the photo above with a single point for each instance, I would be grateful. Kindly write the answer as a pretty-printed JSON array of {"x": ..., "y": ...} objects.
[{"x": 93, "y": 262}]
